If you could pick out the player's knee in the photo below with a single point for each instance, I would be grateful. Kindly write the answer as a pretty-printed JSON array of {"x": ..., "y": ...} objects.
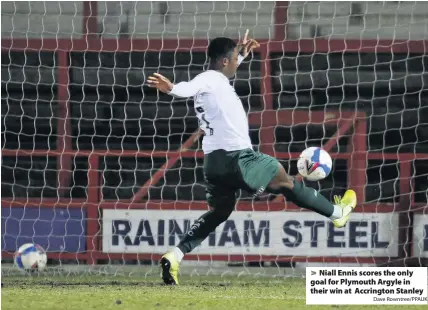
[
  {"x": 278, "y": 188},
  {"x": 280, "y": 181},
  {"x": 221, "y": 206},
  {"x": 222, "y": 214}
]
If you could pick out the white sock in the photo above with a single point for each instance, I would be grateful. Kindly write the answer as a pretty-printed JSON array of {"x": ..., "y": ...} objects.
[
  {"x": 337, "y": 213},
  {"x": 178, "y": 254}
]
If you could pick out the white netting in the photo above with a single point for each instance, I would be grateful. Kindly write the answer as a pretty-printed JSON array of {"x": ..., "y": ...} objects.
[{"x": 81, "y": 136}]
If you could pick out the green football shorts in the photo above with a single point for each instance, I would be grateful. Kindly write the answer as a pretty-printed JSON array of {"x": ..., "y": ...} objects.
[{"x": 226, "y": 172}]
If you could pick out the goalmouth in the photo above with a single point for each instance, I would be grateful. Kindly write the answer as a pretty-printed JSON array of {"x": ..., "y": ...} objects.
[{"x": 101, "y": 170}]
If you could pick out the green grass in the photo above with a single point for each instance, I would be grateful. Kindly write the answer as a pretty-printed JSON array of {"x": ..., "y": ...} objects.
[{"x": 120, "y": 293}]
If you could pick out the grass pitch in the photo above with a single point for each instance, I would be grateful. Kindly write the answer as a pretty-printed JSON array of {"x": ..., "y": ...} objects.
[{"x": 120, "y": 293}]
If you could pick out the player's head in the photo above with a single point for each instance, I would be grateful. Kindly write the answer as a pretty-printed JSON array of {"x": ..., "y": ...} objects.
[{"x": 223, "y": 54}]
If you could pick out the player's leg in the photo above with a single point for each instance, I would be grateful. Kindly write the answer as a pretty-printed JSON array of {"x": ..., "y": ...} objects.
[
  {"x": 311, "y": 199},
  {"x": 221, "y": 208},
  {"x": 222, "y": 202},
  {"x": 261, "y": 172},
  {"x": 220, "y": 174}
]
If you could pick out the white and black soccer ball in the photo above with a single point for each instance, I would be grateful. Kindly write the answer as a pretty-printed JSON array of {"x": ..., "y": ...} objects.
[
  {"x": 31, "y": 257},
  {"x": 314, "y": 164}
]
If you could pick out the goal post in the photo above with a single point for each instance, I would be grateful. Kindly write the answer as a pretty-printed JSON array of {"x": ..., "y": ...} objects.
[{"x": 99, "y": 169}]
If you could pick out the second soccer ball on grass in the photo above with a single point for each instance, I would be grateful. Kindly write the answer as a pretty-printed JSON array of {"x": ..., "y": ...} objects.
[
  {"x": 31, "y": 257},
  {"x": 314, "y": 164}
]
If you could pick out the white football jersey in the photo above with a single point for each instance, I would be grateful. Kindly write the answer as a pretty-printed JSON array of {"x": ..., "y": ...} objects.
[{"x": 219, "y": 110}]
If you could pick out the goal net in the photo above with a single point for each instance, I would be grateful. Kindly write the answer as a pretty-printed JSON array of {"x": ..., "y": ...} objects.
[{"x": 104, "y": 172}]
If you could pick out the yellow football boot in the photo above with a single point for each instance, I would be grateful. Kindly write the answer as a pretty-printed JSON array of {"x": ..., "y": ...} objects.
[
  {"x": 169, "y": 266},
  {"x": 348, "y": 203}
]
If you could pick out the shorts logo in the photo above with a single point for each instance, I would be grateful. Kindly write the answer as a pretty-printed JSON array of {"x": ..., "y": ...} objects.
[{"x": 259, "y": 191}]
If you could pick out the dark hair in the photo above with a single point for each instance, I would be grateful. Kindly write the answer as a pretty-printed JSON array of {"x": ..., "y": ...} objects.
[{"x": 219, "y": 48}]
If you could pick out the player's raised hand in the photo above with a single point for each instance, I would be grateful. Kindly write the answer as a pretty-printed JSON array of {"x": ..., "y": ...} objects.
[
  {"x": 248, "y": 44},
  {"x": 160, "y": 82}
]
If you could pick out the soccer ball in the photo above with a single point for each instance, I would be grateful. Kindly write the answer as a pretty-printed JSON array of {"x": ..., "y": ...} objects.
[
  {"x": 31, "y": 257},
  {"x": 314, "y": 164}
]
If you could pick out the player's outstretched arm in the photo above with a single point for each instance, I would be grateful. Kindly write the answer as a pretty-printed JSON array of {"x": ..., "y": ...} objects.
[
  {"x": 182, "y": 89},
  {"x": 247, "y": 46},
  {"x": 160, "y": 82}
]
